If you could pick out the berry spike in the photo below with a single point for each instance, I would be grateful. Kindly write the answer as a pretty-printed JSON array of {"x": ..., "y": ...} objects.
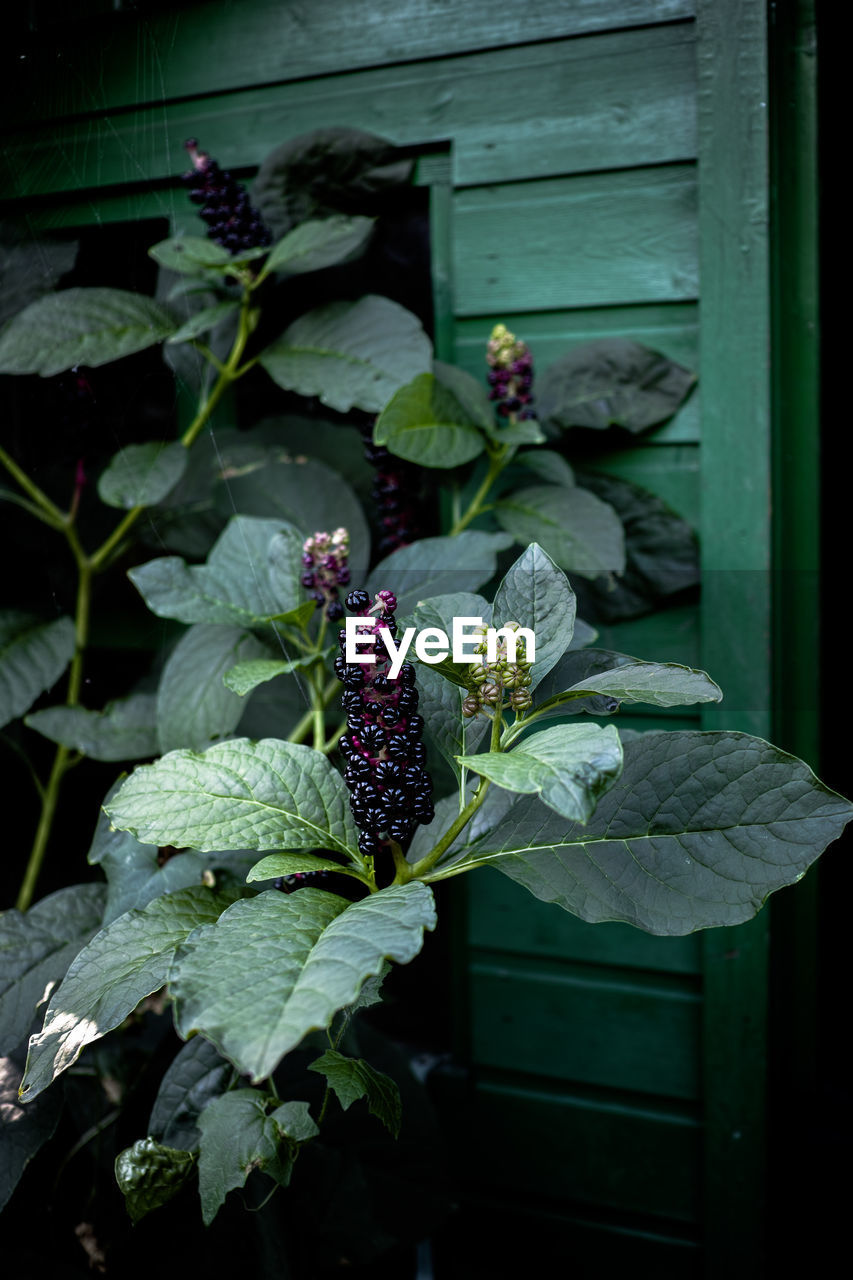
[{"x": 231, "y": 220}]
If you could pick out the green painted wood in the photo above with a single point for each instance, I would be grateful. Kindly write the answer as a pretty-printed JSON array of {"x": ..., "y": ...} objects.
[
  {"x": 671, "y": 471},
  {"x": 589, "y": 1150},
  {"x": 669, "y": 635},
  {"x": 639, "y": 1032},
  {"x": 227, "y": 45},
  {"x": 502, "y": 916},
  {"x": 672, "y": 328},
  {"x": 575, "y": 105},
  {"x": 592, "y": 240},
  {"x": 736, "y": 603}
]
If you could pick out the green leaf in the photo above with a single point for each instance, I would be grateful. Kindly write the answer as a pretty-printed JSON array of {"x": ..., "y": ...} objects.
[
  {"x": 24, "y": 1129},
  {"x": 202, "y": 320},
  {"x": 124, "y": 963},
  {"x": 581, "y": 533},
  {"x": 470, "y": 393},
  {"x": 246, "y": 676},
  {"x": 546, "y": 465},
  {"x": 142, "y": 474},
  {"x": 612, "y": 380},
  {"x": 662, "y": 684},
  {"x": 33, "y": 655},
  {"x": 36, "y": 949},
  {"x": 698, "y": 831},
  {"x": 278, "y": 966},
  {"x": 191, "y": 255},
  {"x": 235, "y": 585},
  {"x": 444, "y": 724},
  {"x": 298, "y": 617},
  {"x": 317, "y": 244},
  {"x": 288, "y": 864},
  {"x": 434, "y": 566},
  {"x": 352, "y": 355},
  {"x": 439, "y": 611},
  {"x": 353, "y": 1078},
  {"x": 30, "y": 267},
  {"x": 194, "y": 706},
  {"x": 149, "y": 1175},
  {"x": 81, "y": 326},
  {"x": 424, "y": 423},
  {"x": 238, "y": 1136},
  {"x": 303, "y": 493},
  {"x": 292, "y": 1119},
  {"x": 197, "y": 1074},
  {"x": 125, "y": 730},
  {"x": 569, "y": 767},
  {"x": 238, "y": 795},
  {"x": 536, "y": 594}
]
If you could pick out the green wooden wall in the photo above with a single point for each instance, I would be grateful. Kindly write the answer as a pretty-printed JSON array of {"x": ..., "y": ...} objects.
[{"x": 597, "y": 167}]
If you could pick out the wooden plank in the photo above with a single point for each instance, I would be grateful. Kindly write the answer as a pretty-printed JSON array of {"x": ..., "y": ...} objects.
[
  {"x": 228, "y": 45},
  {"x": 736, "y": 605},
  {"x": 590, "y": 1150},
  {"x": 672, "y": 328},
  {"x": 504, "y": 916},
  {"x": 638, "y": 1034},
  {"x": 669, "y": 635},
  {"x": 593, "y": 240},
  {"x": 606, "y": 102},
  {"x": 671, "y": 471}
]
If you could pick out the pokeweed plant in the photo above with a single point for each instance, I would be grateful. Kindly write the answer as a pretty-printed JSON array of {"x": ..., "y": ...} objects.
[{"x": 266, "y": 881}]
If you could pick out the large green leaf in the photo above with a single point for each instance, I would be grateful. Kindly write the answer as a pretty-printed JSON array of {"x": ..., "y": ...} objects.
[
  {"x": 235, "y": 586},
  {"x": 536, "y": 594},
  {"x": 125, "y": 730},
  {"x": 353, "y": 1078},
  {"x": 24, "y": 1130},
  {"x": 469, "y": 392},
  {"x": 33, "y": 655},
  {"x": 435, "y": 566},
  {"x": 36, "y": 949},
  {"x": 317, "y": 244},
  {"x": 662, "y": 684},
  {"x": 569, "y": 767},
  {"x": 699, "y": 830},
  {"x": 81, "y": 326},
  {"x": 583, "y": 534},
  {"x": 125, "y": 962},
  {"x": 238, "y": 795},
  {"x": 150, "y": 1174},
  {"x": 278, "y": 966},
  {"x": 439, "y": 612},
  {"x": 191, "y": 255},
  {"x": 612, "y": 380},
  {"x": 288, "y": 864},
  {"x": 352, "y": 355},
  {"x": 238, "y": 1136},
  {"x": 424, "y": 423},
  {"x": 197, "y": 1074},
  {"x": 194, "y": 706},
  {"x": 141, "y": 474}
]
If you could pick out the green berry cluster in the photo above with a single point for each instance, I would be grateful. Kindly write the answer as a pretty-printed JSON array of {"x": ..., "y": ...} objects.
[{"x": 504, "y": 682}]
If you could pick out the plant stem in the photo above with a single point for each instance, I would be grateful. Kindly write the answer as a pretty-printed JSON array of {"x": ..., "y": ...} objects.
[
  {"x": 476, "y": 507},
  {"x": 299, "y": 731},
  {"x": 48, "y": 510}
]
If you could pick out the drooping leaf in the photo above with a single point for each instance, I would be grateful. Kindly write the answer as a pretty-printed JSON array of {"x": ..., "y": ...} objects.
[
  {"x": 30, "y": 268},
  {"x": 317, "y": 244},
  {"x": 141, "y": 474},
  {"x": 470, "y": 393},
  {"x": 697, "y": 832},
  {"x": 81, "y": 326},
  {"x": 150, "y": 1174},
  {"x": 352, "y": 355},
  {"x": 288, "y": 864},
  {"x": 612, "y": 380},
  {"x": 126, "y": 729},
  {"x": 194, "y": 706},
  {"x": 569, "y": 767},
  {"x": 353, "y": 1078},
  {"x": 238, "y": 795},
  {"x": 238, "y": 1136},
  {"x": 24, "y": 1130},
  {"x": 424, "y": 423},
  {"x": 278, "y": 966},
  {"x": 235, "y": 586},
  {"x": 246, "y": 676},
  {"x": 191, "y": 255},
  {"x": 435, "y": 566},
  {"x": 661, "y": 684},
  {"x": 33, "y": 655},
  {"x": 535, "y": 593},
  {"x": 125, "y": 962},
  {"x": 36, "y": 948},
  {"x": 581, "y": 533},
  {"x": 197, "y": 1074},
  {"x": 202, "y": 321}
]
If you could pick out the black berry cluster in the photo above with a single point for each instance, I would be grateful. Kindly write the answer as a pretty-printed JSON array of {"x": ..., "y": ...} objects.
[
  {"x": 225, "y": 207},
  {"x": 510, "y": 375},
  {"x": 394, "y": 494},
  {"x": 325, "y": 562},
  {"x": 390, "y": 788}
]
